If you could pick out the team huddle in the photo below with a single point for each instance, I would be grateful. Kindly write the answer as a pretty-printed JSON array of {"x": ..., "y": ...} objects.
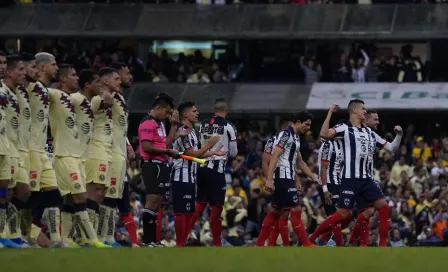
[{"x": 79, "y": 191}]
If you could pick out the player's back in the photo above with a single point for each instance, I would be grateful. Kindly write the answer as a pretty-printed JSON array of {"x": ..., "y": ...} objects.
[
  {"x": 39, "y": 105},
  {"x": 84, "y": 120},
  {"x": 102, "y": 122},
  {"x": 120, "y": 115},
  {"x": 218, "y": 126},
  {"x": 24, "y": 118},
  {"x": 63, "y": 124},
  {"x": 4, "y": 143}
]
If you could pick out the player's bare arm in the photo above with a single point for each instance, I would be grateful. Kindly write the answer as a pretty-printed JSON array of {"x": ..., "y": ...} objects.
[
  {"x": 278, "y": 151},
  {"x": 265, "y": 163},
  {"x": 298, "y": 183},
  {"x": 130, "y": 151},
  {"x": 148, "y": 147},
  {"x": 182, "y": 132},
  {"x": 304, "y": 167},
  {"x": 174, "y": 122},
  {"x": 323, "y": 179},
  {"x": 326, "y": 132}
]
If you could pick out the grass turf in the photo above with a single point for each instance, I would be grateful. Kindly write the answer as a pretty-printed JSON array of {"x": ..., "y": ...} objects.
[{"x": 240, "y": 259}]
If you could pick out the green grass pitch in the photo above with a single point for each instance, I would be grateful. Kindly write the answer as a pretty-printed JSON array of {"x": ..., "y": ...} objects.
[{"x": 230, "y": 259}]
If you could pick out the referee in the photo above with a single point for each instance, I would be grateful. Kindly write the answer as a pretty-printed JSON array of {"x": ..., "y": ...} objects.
[{"x": 155, "y": 170}]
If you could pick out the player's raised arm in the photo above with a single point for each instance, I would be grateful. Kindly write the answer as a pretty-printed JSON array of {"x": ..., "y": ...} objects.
[
  {"x": 231, "y": 133},
  {"x": 326, "y": 132},
  {"x": 174, "y": 122},
  {"x": 390, "y": 146},
  {"x": 267, "y": 154}
]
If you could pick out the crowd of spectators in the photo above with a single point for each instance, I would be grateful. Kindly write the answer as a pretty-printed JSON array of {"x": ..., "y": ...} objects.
[{"x": 414, "y": 181}]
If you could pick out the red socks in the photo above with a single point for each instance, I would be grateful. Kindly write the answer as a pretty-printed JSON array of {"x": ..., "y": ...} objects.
[
  {"x": 337, "y": 235},
  {"x": 284, "y": 231},
  {"x": 324, "y": 237},
  {"x": 383, "y": 224},
  {"x": 159, "y": 225},
  {"x": 328, "y": 225},
  {"x": 199, "y": 209},
  {"x": 215, "y": 224},
  {"x": 130, "y": 226},
  {"x": 299, "y": 228},
  {"x": 180, "y": 225},
  {"x": 272, "y": 241},
  {"x": 269, "y": 221}
]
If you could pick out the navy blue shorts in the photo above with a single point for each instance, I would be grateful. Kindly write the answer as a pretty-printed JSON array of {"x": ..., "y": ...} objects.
[
  {"x": 334, "y": 191},
  {"x": 362, "y": 204},
  {"x": 183, "y": 195},
  {"x": 211, "y": 186},
  {"x": 354, "y": 190},
  {"x": 285, "y": 194},
  {"x": 166, "y": 197}
]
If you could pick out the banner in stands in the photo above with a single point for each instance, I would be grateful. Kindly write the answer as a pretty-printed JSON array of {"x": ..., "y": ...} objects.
[{"x": 380, "y": 95}]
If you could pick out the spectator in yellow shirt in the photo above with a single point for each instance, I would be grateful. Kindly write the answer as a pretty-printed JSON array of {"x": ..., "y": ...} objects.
[
  {"x": 421, "y": 151},
  {"x": 399, "y": 167},
  {"x": 133, "y": 169},
  {"x": 237, "y": 190}
]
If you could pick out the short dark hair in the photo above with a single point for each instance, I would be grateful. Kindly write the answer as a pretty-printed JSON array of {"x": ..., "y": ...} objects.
[
  {"x": 302, "y": 116},
  {"x": 12, "y": 60},
  {"x": 106, "y": 71},
  {"x": 63, "y": 70},
  {"x": 117, "y": 65},
  {"x": 184, "y": 106},
  {"x": 220, "y": 104},
  {"x": 163, "y": 100},
  {"x": 28, "y": 56},
  {"x": 354, "y": 101},
  {"x": 86, "y": 76}
]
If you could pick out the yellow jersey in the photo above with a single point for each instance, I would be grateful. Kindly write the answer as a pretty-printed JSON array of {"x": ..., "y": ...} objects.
[
  {"x": 102, "y": 122},
  {"x": 24, "y": 118},
  {"x": 4, "y": 101},
  {"x": 40, "y": 106},
  {"x": 12, "y": 113},
  {"x": 120, "y": 115},
  {"x": 63, "y": 125},
  {"x": 84, "y": 120}
]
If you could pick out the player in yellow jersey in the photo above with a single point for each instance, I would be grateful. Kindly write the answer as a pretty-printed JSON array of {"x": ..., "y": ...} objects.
[
  {"x": 43, "y": 184},
  {"x": 67, "y": 157},
  {"x": 100, "y": 149},
  {"x": 14, "y": 77},
  {"x": 5, "y": 161},
  {"x": 89, "y": 84}
]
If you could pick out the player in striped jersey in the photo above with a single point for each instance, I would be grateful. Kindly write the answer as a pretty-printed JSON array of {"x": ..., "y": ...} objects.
[
  {"x": 211, "y": 185},
  {"x": 281, "y": 226},
  {"x": 361, "y": 229},
  {"x": 330, "y": 161},
  {"x": 183, "y": 172},
  {"x": 282, "y": 168},
  {"x": 359, "y": 143}
]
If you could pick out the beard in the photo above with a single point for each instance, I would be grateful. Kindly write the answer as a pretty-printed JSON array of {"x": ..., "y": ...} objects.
[{"x": 30, "y": 79}]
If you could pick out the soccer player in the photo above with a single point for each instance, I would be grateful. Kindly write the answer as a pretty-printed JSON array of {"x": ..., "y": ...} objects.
[
  {"x": 282, "y": 167},
  {"x": 123, "y": 202},
  {"x": 183, "y": 173},
  {"x": 99, "y": 158},
  {"x": 43, "y": 184},
  {"x": 5, "y": 161},
  {"x": 211, "y": 182},
  {"x": 330, "y": 159},
  {"x": 155, "y": 170},
  {"x": 281, "y": 226},
  {"x": 14, "y": 76},
  {"x": 23, "y": 189},
  {"x": 359, "y": 144},
  {"x": 67, "y": 157},
  {"x": 89, "y": 84},
  {"x": 361, "y": 229}
]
